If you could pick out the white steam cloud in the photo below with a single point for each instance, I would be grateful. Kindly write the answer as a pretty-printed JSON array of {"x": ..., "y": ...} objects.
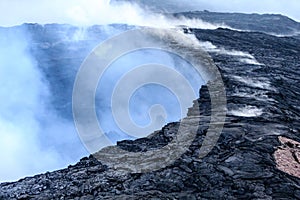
[
  {"x": 91, "y": 12},
  {"x": 34, "y": 137},
  {"x": 244, "y": 57},
  {"x": 30, "y": 131}
]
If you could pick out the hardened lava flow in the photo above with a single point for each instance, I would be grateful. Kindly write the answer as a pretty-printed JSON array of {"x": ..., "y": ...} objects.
[{"x": 256, "y": 156}]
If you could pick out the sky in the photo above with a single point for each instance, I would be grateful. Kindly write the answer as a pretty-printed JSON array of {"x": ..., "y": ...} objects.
[{"x": 88, "y": 12}]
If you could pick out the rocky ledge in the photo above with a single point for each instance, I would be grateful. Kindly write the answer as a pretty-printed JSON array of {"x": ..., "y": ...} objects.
[{"x": 261, "y": 134}]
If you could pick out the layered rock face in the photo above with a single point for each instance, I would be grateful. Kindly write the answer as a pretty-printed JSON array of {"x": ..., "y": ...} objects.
[{"x": 261, "y": 77}]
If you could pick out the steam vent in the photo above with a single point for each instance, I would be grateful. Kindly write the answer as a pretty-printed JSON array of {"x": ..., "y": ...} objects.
[{"x": 257, "y": 155}]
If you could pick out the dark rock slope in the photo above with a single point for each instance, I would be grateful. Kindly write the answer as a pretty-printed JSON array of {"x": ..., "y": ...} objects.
[
  {"x": 263, "y": 103},
  {"x": 281, "y": 25},
  {"x": 269, "y": 23}
]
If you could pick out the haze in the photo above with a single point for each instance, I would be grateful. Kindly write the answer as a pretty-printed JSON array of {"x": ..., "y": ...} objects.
[{"x": 88, "y": 12}]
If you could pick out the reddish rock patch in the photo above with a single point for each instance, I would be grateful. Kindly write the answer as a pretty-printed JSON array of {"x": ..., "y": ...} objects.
[{"x": 288, "y": 157}]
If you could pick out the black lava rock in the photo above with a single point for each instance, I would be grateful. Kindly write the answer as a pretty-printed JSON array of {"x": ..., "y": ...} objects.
[{"x": 263, "y": 99}]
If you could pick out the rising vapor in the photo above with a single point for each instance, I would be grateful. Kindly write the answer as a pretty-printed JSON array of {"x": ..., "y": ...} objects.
[{"x": 35, "y": 136}]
